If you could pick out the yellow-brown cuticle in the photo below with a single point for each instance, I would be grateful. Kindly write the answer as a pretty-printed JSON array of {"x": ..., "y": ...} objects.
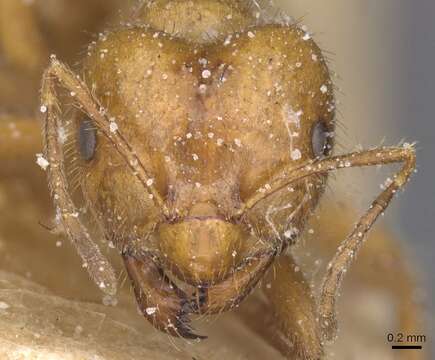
[{"x": 201, "y": 250}]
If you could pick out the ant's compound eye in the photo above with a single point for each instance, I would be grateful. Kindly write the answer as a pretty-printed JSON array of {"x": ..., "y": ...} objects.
[
  {"x": 87, "y": 139},
  {"x": 319, "y": 139}
]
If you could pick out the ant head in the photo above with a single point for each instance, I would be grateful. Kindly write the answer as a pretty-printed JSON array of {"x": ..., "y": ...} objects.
[
  {"x": 201, "y": 21},
  {"x": 212, "y": 122}
]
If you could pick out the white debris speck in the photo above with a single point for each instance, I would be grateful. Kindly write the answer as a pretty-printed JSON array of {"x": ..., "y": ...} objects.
[
  {"x": 150, "y": 182},
  {"x": 58, "y": 243},
  {"x": 4, "y": 306},
  {"x": 198, "y": 185},
  {"x": 102, "y": 285},
  {"x": 202, "y": 88},
  {"x": 165, "y": 76},
  {"x": 43, "y": 109},
  {"x": 228, "y": 40},
  {"x": 167, "y": 158},
  {"x": 62, "y": 135},
  {"x": 195, "y": 157},
  {"x": 210, "y": 135},
  {"x": 324, "y": 89},
  {"x": 203, "y": 61},
  {"x": 206, "y": 74},
  {"x": 151, "y": 310},
  {"x": 296, "y": 154},
  {"x": 387, "y": 183},
  {"x": 288, "y": 234},
  {"x": 238, "y": 142},
  {"x": 220, "y": 142},
  {"x": 251, "y": 34},
  {"x": 306, "y": 37},
  {"x": 314, "y": 57},
  {"x": 42, "y": 162},
  {"x": 113, "y": 127},
  {"x": 234, "y": 254},
  {"x": 189, "y": 135}
]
